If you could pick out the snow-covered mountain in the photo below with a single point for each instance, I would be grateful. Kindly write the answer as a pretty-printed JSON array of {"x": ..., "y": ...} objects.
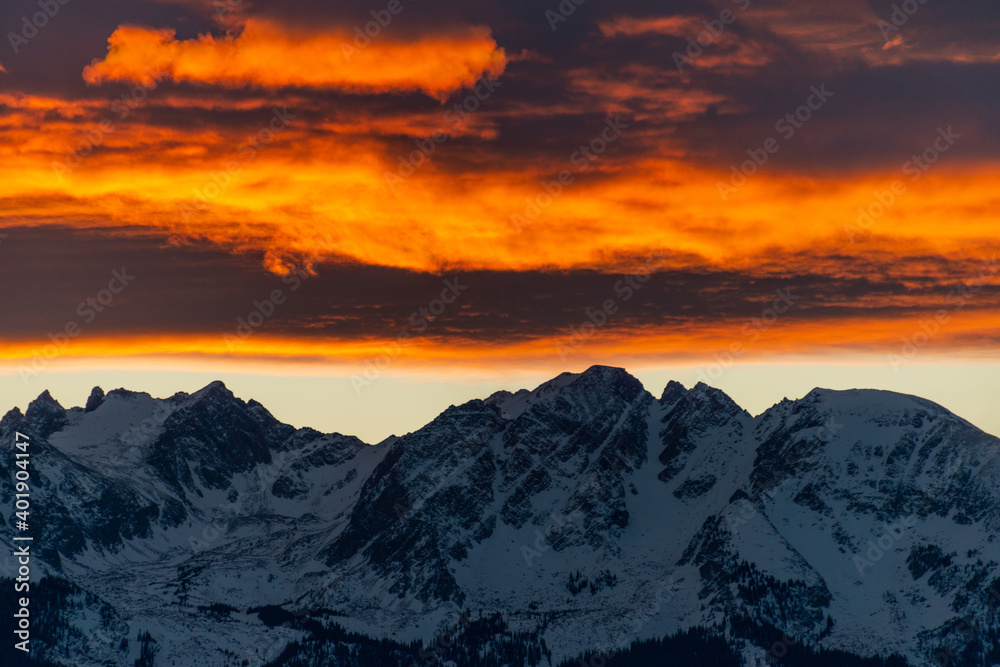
[{"x": 576, "y": 519}]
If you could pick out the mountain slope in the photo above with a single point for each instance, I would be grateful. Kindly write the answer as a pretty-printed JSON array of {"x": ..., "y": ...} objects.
[{"x": 860, "y": 521}]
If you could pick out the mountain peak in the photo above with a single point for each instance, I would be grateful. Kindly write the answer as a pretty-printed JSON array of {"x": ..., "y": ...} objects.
[
  {"x": 13, "y": 415},
  {"x": 95, "y": 399},
  {"x": 672, "y": 392},
  {"x": 876, "y": 401},
  {"x": 596, "y": 380},
  {"x": 121, "y": 392},
  {"x": 706, "y": 393},
  {"x": 214, "y": 387},
  {"x": 46, "y": 397},
  {"x": 45, "y": 414},
  {"x": 604, "y": 372},
  {"x": 600, "y": 376},
  {"x": 708, "y": 406},
  {"x": 215, "y": 392}
]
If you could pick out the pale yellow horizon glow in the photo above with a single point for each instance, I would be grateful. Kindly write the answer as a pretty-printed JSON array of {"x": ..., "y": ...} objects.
[{"x": 401, "y": 401}]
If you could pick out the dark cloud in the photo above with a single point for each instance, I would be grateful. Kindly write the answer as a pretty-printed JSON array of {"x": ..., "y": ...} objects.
[
  {"x": 555, "y": 93},
  {"x": 879, "y": 116},
  {"x": 51, "y": 61},
  {"x": 192, "y": 290}
]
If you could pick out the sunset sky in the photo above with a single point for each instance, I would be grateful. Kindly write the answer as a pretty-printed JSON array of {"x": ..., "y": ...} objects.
[{"x": 359, "y": 228}]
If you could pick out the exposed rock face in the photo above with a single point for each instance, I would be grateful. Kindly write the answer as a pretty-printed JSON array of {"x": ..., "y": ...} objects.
[{"x": 95, "y": 399}]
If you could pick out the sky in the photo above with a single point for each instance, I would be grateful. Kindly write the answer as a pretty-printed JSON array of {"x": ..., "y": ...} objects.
[{"x": 361, "y": 212}]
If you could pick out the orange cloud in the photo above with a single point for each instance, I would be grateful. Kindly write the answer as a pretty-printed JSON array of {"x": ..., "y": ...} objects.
[
  {"x": 645, "y": 93},
  {"x": 313, "y": 192},
  {"x": 628, "y": 26},
  {"x": 725, "y": 50},
  {"x": 852, "y": 30},
  {"x": 267, "y": 55},
  {"x": 332, "y": 189},
  {"x": 962, "y": 335}
]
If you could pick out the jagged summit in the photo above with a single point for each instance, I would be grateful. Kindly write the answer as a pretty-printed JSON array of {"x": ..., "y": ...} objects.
[
  {"x": 712, "y": 406},
  {"x": 11, "y": 416},
  {"x": 214, "y": 388},
  {"x": 215, "y": 393},
  {"x": 594, "y": 374},
  {"x": 608, "y": 372},
  {"x": 672, "y": 392},
  {"x": 95, "y": 399},
  {"x": 502, "y": 396},
  {"x": 609, "y": 382},
  {"x": 127, "y": 394},
  {"x": 44, "y": 399},
  {"x": 596, "y": 378},
  {"x": 45, "y": 414}
]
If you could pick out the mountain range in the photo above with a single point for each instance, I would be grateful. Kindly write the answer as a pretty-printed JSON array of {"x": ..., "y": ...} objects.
[{"x": 585, "y": 520}]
